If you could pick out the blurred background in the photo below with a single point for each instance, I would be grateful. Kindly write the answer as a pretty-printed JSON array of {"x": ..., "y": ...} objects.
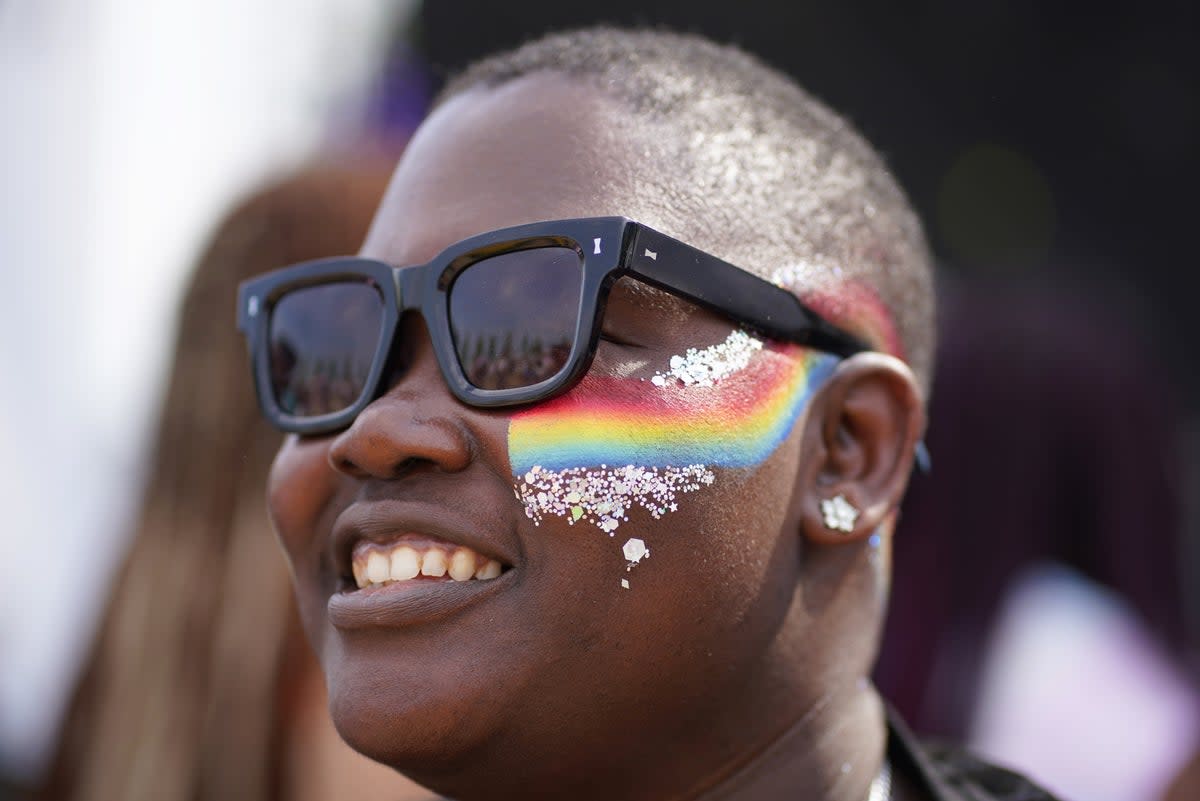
[{"x": 1046, "y": 603}]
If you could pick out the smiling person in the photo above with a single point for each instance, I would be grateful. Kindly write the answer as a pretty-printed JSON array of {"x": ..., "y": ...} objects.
[{"x": 595, "y": 450}]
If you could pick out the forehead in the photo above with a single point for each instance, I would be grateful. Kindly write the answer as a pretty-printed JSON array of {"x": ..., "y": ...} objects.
[{"x": 541, "y": 147}]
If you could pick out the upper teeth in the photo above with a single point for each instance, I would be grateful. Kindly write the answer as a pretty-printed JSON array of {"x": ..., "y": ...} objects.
[{"x": 376, "y": 564}]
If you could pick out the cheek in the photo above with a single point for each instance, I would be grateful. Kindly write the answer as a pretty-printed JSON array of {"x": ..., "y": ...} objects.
[
  {"x": 614, "y": 446},
  {"x": 298, "y": 488}
]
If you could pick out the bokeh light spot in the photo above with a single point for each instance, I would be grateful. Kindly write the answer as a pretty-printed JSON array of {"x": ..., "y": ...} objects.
[{"x": 995, "y": 210}]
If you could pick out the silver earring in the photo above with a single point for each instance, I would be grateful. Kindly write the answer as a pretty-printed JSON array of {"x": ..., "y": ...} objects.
[{"x": 839, "y": 514}]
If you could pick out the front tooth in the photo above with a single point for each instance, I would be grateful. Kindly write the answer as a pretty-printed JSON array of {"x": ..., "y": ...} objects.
[
  {"x": 360, "y": 573},
  {"x": 377, "y": 568},
  {"x": 406, "y": 563},
  {"x": 462, "y": 565},
  {"x": 434, "y": 563},
  {"x": 489, "y": 570}
]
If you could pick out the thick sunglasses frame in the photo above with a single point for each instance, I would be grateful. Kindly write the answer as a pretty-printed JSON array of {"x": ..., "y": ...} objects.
[{"x": 609, "y": 248}]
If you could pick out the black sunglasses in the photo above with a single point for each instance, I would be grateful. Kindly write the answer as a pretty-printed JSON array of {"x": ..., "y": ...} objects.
[{"x": 514, "y": 315}]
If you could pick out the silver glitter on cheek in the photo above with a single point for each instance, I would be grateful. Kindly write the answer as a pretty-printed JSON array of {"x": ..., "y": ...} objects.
[
  {"x": 703, "y": 368},
  {"x": 604, "y": 496},
  {"x": 635, "y": 550}
]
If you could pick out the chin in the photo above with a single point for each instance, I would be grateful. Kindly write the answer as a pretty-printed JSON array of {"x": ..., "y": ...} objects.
[{"x": 420, "y": 718}]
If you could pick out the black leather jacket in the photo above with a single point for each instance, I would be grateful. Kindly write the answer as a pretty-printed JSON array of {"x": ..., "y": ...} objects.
[{"x": 951, "y": 774}]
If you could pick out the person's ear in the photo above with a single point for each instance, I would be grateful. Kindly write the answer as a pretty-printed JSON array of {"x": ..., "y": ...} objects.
[{"x": 859, "y": 443}]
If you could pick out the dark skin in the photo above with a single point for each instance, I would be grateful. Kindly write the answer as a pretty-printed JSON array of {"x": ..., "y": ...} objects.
[{"x": 734, "y": 669}]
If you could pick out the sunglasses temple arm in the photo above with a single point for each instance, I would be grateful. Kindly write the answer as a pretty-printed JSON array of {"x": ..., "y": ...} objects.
[
  {"x": 716, "y": 284},
  {"x": 684, "y": 270}
]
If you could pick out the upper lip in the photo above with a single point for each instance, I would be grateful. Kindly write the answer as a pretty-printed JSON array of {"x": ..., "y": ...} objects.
[{"x": 383, "y": 520}]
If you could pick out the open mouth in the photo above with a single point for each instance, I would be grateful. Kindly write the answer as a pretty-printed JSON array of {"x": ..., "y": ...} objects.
[
  {"x": 413, "y": 559},
  {"x": 407, "y": 579}
]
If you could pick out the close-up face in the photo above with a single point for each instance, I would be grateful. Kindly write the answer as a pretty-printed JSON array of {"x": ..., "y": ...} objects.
[{"x": 611, "y": 565}]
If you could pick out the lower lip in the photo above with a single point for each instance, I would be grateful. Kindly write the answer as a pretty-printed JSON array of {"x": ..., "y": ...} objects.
[{"x": 408, "y": 603}]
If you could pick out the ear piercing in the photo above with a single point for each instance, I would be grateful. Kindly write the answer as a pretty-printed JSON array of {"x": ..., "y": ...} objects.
[{"x": 839, "y": 514}]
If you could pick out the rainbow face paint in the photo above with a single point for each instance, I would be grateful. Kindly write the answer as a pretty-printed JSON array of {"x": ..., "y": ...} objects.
[
  {"x": 613, "y": 444},
  {"x": 622, "y": 421}
]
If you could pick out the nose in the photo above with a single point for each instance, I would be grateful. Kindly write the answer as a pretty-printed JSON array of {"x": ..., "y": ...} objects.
[{"x": 416, "y": 423}]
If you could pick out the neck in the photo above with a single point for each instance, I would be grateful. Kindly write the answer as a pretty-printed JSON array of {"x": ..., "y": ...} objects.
[{"x": 831, "y": 753}]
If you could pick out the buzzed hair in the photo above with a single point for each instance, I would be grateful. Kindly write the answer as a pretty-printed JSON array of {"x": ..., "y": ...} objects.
[{"x": 784, "y": 186}]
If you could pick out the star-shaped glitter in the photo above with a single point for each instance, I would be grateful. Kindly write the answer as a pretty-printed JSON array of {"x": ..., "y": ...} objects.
[{"x": 839, "y": 514}]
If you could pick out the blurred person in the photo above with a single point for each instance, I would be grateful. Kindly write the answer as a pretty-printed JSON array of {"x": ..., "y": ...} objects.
[
  {"x": 1081, "y": 427},
  {"x": 451, "y": 517},
  {"x": 199, "y": 684}
]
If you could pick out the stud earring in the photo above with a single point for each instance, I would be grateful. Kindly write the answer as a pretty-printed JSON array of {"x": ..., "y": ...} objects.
[{"x": 839, "y": 514}]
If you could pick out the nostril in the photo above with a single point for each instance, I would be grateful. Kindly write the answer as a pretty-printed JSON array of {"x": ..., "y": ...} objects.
[
  {"x": 411, "y": 465},
  {"x": 400, "y": 469},
  {"x": 412, "y": 428},
  {"x": 347, "y": 466}
]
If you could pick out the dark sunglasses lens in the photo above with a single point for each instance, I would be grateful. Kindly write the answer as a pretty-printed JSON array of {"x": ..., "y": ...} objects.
[
  {"x": 323, "y": 340},
  {"x": 514, "y": 316}
]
